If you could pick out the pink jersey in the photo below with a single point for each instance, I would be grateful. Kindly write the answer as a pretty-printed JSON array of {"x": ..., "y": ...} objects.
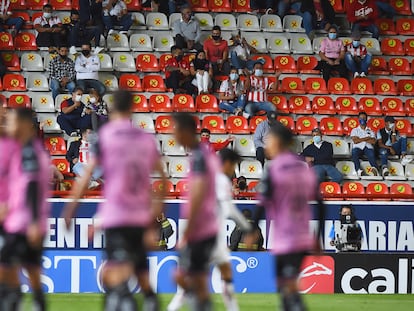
[
  {"x": 127, "y": 156},
  {"x": 204, "y": 163},
  {"x": 288, "y": 186},
  {"x": 8, "y": 148},
  {"x": 29, "y": 163}
]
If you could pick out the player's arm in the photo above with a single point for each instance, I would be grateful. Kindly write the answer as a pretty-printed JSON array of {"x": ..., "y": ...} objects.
[
  {"x": 238, "y": 217},
  {"x": 197, "y": 196},
  {"x": 158, "y": 197}
]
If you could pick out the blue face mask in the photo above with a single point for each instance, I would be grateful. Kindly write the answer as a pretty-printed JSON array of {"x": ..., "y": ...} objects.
[
  {"x": 332, "y": 36},
  {"x": 317, "y": 139},
  {"x": 355, "y": 43},
  {"x": 362, "y": 122},
  {"x": 258, "y": 72},
  {"x": 234, "y": 76}
]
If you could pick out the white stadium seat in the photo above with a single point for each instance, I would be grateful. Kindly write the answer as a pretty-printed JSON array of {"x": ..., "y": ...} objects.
[
  {"x": 244, "y": 146},
  {"x": 163, "y": 42},
  {"x": 124, "y": 62},
  {"x": 205, "y": 20},
  {"x": 396, "y": 171},
  {"x": 173, "y": 18},
  {"x": 227, "y": 22},
  {"x": 271, "y": 23},
  {"x": 171, "y": 147},
  {"x": 300, "y": 44},
  {"x": 143, "y": 121},
  {"x": 316, "y": 44},
  {"x": 251, "y": 169},
  {"x": 42, "y": 102},
  {"x": 347, "y": 168},
  {"x": 373, "y": 45},
  {"x": 49, "y": 122},
  {"x": 278, "y": 44},
  {"x": 179, "y": 167},
  {"x": 139, "y": 21},
  {"x": 59, "y": 99},
  {"x": 109, "y": 80},
  {"x": 365, "y": 166},
  {"x": 37, "y": 82},
  {"x": 31, "y": 62},
  {"x": 117, "y": 42},
  {"x": 106, "y": 62},
  {"x": 248, "y": 22},
  {"x": 157, "y": 21},
  {"x": 293, "y": 23},
  {"x": 258, "y": 42},
  {"x": 409, "y": 171},
  {"x": 140, "y": 43}
]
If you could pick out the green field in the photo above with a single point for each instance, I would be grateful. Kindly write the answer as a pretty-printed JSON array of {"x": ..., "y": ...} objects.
[{"x": 262, "y": 302}]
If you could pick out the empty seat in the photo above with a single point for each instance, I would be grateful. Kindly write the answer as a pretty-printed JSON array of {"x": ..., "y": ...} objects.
[
  {"x": 293, "y": 23},
  {"x": 405, "y": 87},
  {"x": 393, "y": 106},
  {"x": 117, "y": 42},
  {"x": 392, "y": 46},
  {"x": 379, "y": 66},
  {"x": 409, "y": 107},
  {"x": 386, "y": 26},
  {"x": 143, "y": 121},
  {"x": 376, "y": 124},
  {"x": 278, "y": 44},
  {"x": 199, "y": 5},
  {"x": 301, "y": 44},
  {"x": 163, "y": 42},
  {"x": 255, "y": 121},
  {"x": 25, "y": 41},
  {"x": 258, "y": 42},
  {"x": 37, "y": 82},
  {"x": 300, "y": 105},
  {"x": 140, "y": 103},
  {"x": 316, "y": 44},
  {"x": 206, "y": 103},
  {"x": 331, "y": 126},
  {"x": 370, "y": 172},
  {"x": 248, "y": 22},
  {"x": 372, "y": 45},
  {"x": 353, "y": 188},
  {"x": 329, "y": 189},
  {"x": 219, "y": 6},
  {"x": 14, "y": 82},
  {"x": 158, "y": 186},
  {"x": 305, "y": 125},
  {"x": 237, "y": 125},
  {"x": 315, "y": 86},
  {"x": 288, "y": 122},
  {"x": 160, "y": 103},
  {"x": 49, "y": 122},
  {"x": 109, "y": 80},
  {"x": 404, "y": 127},
  {"x": 339, "y": 86},
  {"x": 385, "y": 87},
  {"x": 323, "y": 105},
  {"x": 285, "y": 64},
  {"x": 280, "y": 102},
  {"x": 62, "y": 165},
  {"x": 396, "y": 171},
  {"x": 31, "y": 62},
  {"x": 292, "y": 85},
  {"x": 346, "y": 105},
  {"x": 19, "y": 101},
  {"x": 251, "y": 169},
  {"x": 349, "y": 124},
  {"x": 42, "y": 102},
  {"x": 339, "y": 145},
  {"x": 179, "y": 167},
  {"x": 409, "y": 171},
  {"x": 164, "y": 124},
  {"x": 130, "y": 82},
  {"x": 377, "y": 189},
  {"x": 271, "y": 23},
  {"x": 227, "y": 22},
  {"x": 61, "y": 5},
  {"x": 157, "y": 21},
  {"x": 11, "y": 61},
  {"x": 362, "y": 86},
  {"x": 205, "y": 20},
  {"x": 214, "y": 123},
  {"x": 405, "y": 26},
  {"x": 401, "y": 188},
  {"x": 106, "y": 62},
  {"x": 153, "y": 83},
  {"x": 171, "y": 147},
  {"x": 370, "y": 105},
  {"x": 55, "y": 145},
  {"x": 307, "y": 64},
  {"x": 400, "y": 66},
  {"x": 124, "y": 62},
  {"x": 183, "y": 103},
  {"x": 6, "y": 42},
  {"x": 408, "y": 47},
  {"x": 347, "y": 168},
  {"x": 140, "y": 43},
  {"x": 244, "y": 146},
  {"x": 139, "y": 21},
  {"x": 240, "y": 6}
]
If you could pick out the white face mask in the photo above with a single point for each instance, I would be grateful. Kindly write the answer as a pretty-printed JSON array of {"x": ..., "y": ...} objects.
[
  {"x": 47, "y": 15},
  {"x": 92, "y": 100},
  {"x": 392, "y": 125},
  {"x": 78, "y": 98},
  {"x": 258, "y": 72}
]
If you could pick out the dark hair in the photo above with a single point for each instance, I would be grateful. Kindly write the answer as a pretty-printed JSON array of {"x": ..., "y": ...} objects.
[
  {"x": 74, "y": 12},
  {"x": 185, "y": 121},
  {"x": 205, "y": 130},
  {"x": 229, "y": 155},
  {"x": 87, "y": 43},
  {"x": 363, "y": 113},
  {"x": 78, "y": 88},
  {"x": 282, "y": 132},
  {"x": 216, "y": 27},
  {"x": 63, "y": 46},
  {"x": 83, "y": 131},
  {"x": 175, "y": 48},
  {"x": 333, "y": 26},
  {"x": 48, "y": 6},
  {"x": 122, "y": 101},
  {"x": 25, "y": 115},
  {"x": 247, "y": 213}
]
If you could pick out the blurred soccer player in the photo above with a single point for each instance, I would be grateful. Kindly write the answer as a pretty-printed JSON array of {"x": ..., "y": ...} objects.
[
  {"x": 226, "y": 209},
  {"x": 25, "y": 222},
  {"x": 199, "y": 238},
  {"x": 127, "y": 156},
  {"x": 288, "y": 185}
]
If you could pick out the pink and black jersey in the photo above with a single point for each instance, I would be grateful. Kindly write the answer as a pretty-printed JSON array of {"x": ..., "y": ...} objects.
[
  {"x": 127, "y": 156},
  {"x": 203, "y": 163},
  {"x": 8, "y": 148},
  {"x": 29, "y": 163},
  {"x": 258, "y": 89},
  {"x": 288, "y": 187}
]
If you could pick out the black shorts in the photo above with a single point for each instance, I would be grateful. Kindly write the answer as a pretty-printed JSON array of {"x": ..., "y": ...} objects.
[
  {"x": 126, "y": 244},
  {"x": 195, "y": 258},
  {"x": 17, "y": 250},
  {"x": 288, "y": 266}
]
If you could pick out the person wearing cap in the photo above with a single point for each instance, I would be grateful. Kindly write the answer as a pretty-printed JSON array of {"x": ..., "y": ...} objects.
[
  {"x": 319, "y": 155},
  {"x": 260, "y": 134},
  {"x": 357, "y": 58},
  {"x": 332, "y": 54},
  {"x": 231, "y": 94},
  {"x": 363, "y": 15},
  {"x": 240, "y": 53},
  {"x": 392, "y": 143}
]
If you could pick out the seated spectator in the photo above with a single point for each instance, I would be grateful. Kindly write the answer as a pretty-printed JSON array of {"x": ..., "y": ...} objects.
[
  {"x": 99, "y": 109},
  {"x": 385, "y": 9},
  {"x": 256, "y": 87},
  {"x": 6, "y": 18},
  {"x": 90, "y": 15},
  {"x": 266, "y": 5},
  {"x": 74, "y": 115},
  {"x": 175, "y": 6},
  {"x": 363, "y": 141},
  {"x": 237, "y": 237},
  {"x": 391, "y": 142},
  {"x": 319, "y": 155},
  {"x": 217, "y": 146},
  {"x": 232, "y": 94},
  {"x": 217, "y": 52},
  {"x": 357, "y": 58},
  {"x": 87, "y": 67},
  {"x": 49, "y": 29},
  {"x": 201, "y": 68},
  {"x": 62, "y": 72},
  {"x": 115, "y": 13},
  {"x": 363, "y": 15},
  {"x": 240, "y": 54},
  {"x": 240, "y": 186},
  {"x": 187, "y": 32},
  {"x": 260, "y": 134},
  {"x": 177, "y": 73},
  {"x": 332, "y": 54},
  {"x": 78, "y": 156}
]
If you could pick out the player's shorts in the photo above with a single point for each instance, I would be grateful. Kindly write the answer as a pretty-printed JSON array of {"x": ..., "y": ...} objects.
[
  {"x": 196, "y": 257},
  {"x": 17, "y": 250},
  {"x": 126, "y": 244},
  {"x": 288, "y": 266},
  {"x": 221, "y": 253}
]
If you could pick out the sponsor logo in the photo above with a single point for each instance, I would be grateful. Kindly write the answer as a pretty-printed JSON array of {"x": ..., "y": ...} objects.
[{"x": 317, "y": 275}]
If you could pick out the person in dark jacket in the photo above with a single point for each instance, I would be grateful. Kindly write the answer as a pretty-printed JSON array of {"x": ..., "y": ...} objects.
[{"x": 238, "y": 236}]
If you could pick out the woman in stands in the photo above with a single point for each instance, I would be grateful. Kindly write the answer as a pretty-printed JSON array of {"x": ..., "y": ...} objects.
[{"x": 201, "y": 68}]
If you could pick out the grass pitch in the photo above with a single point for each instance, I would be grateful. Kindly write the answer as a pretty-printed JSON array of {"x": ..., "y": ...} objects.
[{"x": 249, "y": 302}]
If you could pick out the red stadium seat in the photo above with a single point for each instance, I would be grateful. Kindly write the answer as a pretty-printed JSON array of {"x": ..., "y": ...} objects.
[
  {"x": 337, "y": 5},
  {"x": 400, "y": 66},
  {"x": 164, "y": 125},
  {"x": 17, "y": 5},
  {"x": 207, "y": 103},
  {"x": 219, "y": 6},
  {"x": 55, "y": 145},
  {"x": 331, "y": 126},
  {"x": 405, "y": 26},
  {"x": 163, "y": 60},
  {"x": 214, "y": 123},
  {"x": 133, "y": 5},
  {"x": 376, "y": 124},
  {"x": 404, "y": 127},
  {"x": 158, "y": 187},
  {"x": 19, "y": 101},
  {"x": 370, "y": 105},
  {"x": 130, "y": 82},
  {"x": 25, "y": 41},
  {"x": 255, "y": 121},
  {"x": 393, "y": 106},
  {"x": 285, "y": 64},
  {"x": 292, "y": 85},
  {"x": 323, "y": 105},
  {"x": 386, "y": 26},
  {"x": 240, "y": 6},
  {"x": 153, "y": 83},
  {"x": 305, "y": 125},
  {"x": 36, "y": 5},
  {"x": 199, "y": 5},
  {"x": 63, "y": 166},
  {"x": 307, "y": 64},
  {"x": 147, "y": 63},
  {"x": 346, "y": 105},
  {"x": 280, "y": 102},
  {"x": 61, "y": 5},
  {"x": 405, "y": 87},
  {"x": 401, "y": 188},
  {"x": 6, "y": 42},
  {"x": 315, "y": 86},
  {"x": 268, "y": 65},
  {"x": 160, "y": 103},
  {"x": 409, "y": 47},
  {"x": 182, "y": 188},
  {"x": 11, "y": 61},
  {"x": 338, "y": 86},
  {"x": 403, "y": 7},
  {"x": 376, "y": 188},
  {"x": 26, "y": 18},
  {"x": 328, "y": 189},
  {"x": 237, "y": 125},
  {"x": 392, "y": 46},
  {"x": 378, "y": 66},
  {"x": 287, "y": 121},
  {"x": 349, "y": 124},
  {"x": 14, "y": 82},
  {"x": 385, "y": 87},
  {"x": 183, "y": 103},
  {"x": 140, "y": 103},
  {"x": 353, "y": 188},
  {"x": 409, "y": 107},
  {"x": 362, "y": 86},
  {"x": 300, "y": 105}
]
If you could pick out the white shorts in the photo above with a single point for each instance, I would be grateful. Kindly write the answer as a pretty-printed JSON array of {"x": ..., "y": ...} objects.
[{"x": 221, "y": 254}]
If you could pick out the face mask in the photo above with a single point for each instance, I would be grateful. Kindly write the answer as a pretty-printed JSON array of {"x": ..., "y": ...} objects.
[
  {"x": 64, "y": 57},
  {"x": 216, "y": 38},
  {"x": 332, "y": 36},
  {"x": 47, "y": 15},
  {"x": 362, "y": 122},
  {"x": 179, "y": 57},
  {"x": 234, "y": 76},
  {"x": 258, "y": 72},
  {"x": 317, "y": 139},
  {"x": 205, "y": 139},
  {"x": 86, "y": 52},
  {"x": 355, "y": 43},
  {"x": 78, "y": 98},
  {"x": 92, "y": 100},
  {"x": 392, "y": 125}
]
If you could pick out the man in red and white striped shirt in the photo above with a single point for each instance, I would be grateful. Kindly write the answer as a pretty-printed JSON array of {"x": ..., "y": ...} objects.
[
  {"x": 357, "y": 58},
  {"x": 256, "y": 87}
]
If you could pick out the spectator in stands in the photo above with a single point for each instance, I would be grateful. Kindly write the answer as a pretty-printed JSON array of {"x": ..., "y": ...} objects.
[
  {"x": 115, "y": 13},
  {"x": 176, "y": 5},
  {"x": 49, "y": 29},
  {"x": 99, "y": 109},
  {"x": 62, "y": 72},
  {"x": 232, "y": 94},
  {"x": 74, "y": 115},
  {"x": 217, "y": 52},
  {"x": 332, "y": 54},
  {"x": 240, "y": 186},
  {"x": 256, "y": 87},
  {"x": 319, "y": 155},
  {"x": 3, "y": 70},
  {"x": 78, "y": 156},
  {"x": 201, "y": 68},
  {"x": 363, "y": 15},
  {"x": 385, "y": 8},
  {"x": 237, "y": 242},
  {"x": 357, "y": 58},
  {"x": 6, "y": 18},
  {"x": 186, "y": 31},
  {"x": 363, "y": 139},
  {"x": 240, "y": 54},
  {"x": 260, "y": 134},
  {"x": 217, "y": 146},
  {"x": 87, "y": 66},
  {"x": 177, "y": 73},
  {"x": 267, "y": 5},
  {"x": 90, "y": 12},
  {"x": 391, "y": 142}
]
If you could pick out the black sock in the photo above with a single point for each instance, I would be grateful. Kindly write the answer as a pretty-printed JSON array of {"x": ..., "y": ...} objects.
[
  {"x": 3, "y": 297},
  {"x": 39, "y": 300},
  {"x": 14, "y": 298},
  {"x": 293, "y": 302},
  {"x": 120, "y": 298}
]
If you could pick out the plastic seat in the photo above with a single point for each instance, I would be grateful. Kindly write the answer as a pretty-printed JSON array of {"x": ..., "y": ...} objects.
[
  {"x": 400, "y": 188},
  {"x": 219, "y": 5},
  {"x": 55, "y": 145},
  {"x": 362, "y": 86},
  {"x": 143, "y": 121},
  {"x": 402, "y": 7},
  {"x": 347, "y": 168},
  {"x": 301, "y": 44},
  {"x": 11, "y": 61},
  {"x": 315, "y": 86},
  {"x": 405, "y": 87},
  {"x": 42, "y": 102},
  {"x": 199, "y": 5},
  {"x": 285, "y": 64},
  {"x": 109, "y": 80},
  {"x": 171, "y": 147},
  {"x": 278, "y": 44},
  {"x": 157, "y": 21},
  {"x": 307, "y": 64},
  {"x": 6, "y": 42},
  {"x": 17, "y": 5},
  {"x": 385, "y": 87},
  {"x": 37, "y": 82},
  {"x": 182, "y": 188},
  {"x": 372, "y": 45},
  {"x": 339, "y": 86},
  {"x": 353, "y": 188},
  {"x": 140, "y": 103},
  {"x": 405, "y": 26},
  {"x": 346, "y": 105},
  {"x": 376, "y": 124},
  {"x": 237, "y": 125},
  {"x": 328, "y": 189},
  {"x": 337, "y": 6},
  {"x": 305, "y": 125},
  {"x": 331, "y": 126},
  {"x": 240, "y": 6},
  {"x": 268, "y": 65},
  {"x": 61, "y": 5},
  {"x": 13, "y": 82},
  {"x": 124, "y": 62},
  {"x": 248, "y": 22},
  {"x": 323, "y": 105},
  {"x": 244, "y": 146},
  {"x": 376, "y": 188},
  {"x": 292, "y": 85},
  {"x": 163, "y": 60},
  {"x": 227, "y": 22},
  {"x": 386, "y": 26},
  {"x": 370, "y": 105},
  {"x": 205, "y": 20},
  {"x": 280, "y": 102},
  {"x": 393, "y": 106},
  {"x": 179, "y": 167},
  {"x": 409, "y": 107},
  {"x": 258, "y": 42},
  {"x": 396, "y": 171},
  {"x": 31, "y": 62},
  {"x": 133, "y": 5},
  {"x": 378, "y": 66},
  {"x": 207, "y": 103},
  {"x": 349, "y": 124},
  {"x": 392, "y": 46},
  {"x": 49, "y": 121},
  {"x": 160, "y": 103},
  {"x": 164, "y": 124},
  {"x": 183, "y": 103},
  {"x": 404, "y": 127},
  {"x": 130, "y": 82},
  {"x": 409, "y": 171},
  {"x": 270, "y": 23},
  {"x": 409, "y": 47},
  {"x": 251, "y": 169},
  {"x": 25, "y": 41},
  {"x": 59, "y": 100},
  {"x": 106, "y": 62},
  {"x": 19, "y": 101},
  {"x": 293, "y": 23},
  {"x": 64, "y": 17},
  {"x": 400, "y": 66},
  {"x": 288, "y": 122},
  {"x": 140, "y": 43},
  {"x": 340, "y": 146},
  {"x": 153, "y": 83},
  {"x": 163, "y": 42},
  {"x": 255, "y": 121},
  {"x": 158, "y": 187},
  {"x": 62, "y": 165},
  {"x": 3, "y": 101},
  {"x": 117, "y": 42},
  {"x": 300, "y": 105},
  {"x": 316, "y": 44},
  {"x": 369, "y": 172},
  {"x": 139, "y": 21},
  {"x": 214, "y": 123}
]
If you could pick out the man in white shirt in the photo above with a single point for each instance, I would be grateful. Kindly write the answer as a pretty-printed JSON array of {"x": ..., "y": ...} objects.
[
  {"x": 186, "y": 31},
  {"x": 87, "y": 66},
  {"x": 240, "y": 54},
  {"x": 115, "y": 13},
  {"x": 363, "y": 139},
  {"x": 7, "y": 20},
  {"x": 49, "y": 29}
]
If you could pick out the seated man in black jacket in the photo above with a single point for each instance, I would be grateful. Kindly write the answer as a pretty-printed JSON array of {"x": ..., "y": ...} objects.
[
  {"x": 320, "y": 155},
  {"x": 237, "y": 237}
]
